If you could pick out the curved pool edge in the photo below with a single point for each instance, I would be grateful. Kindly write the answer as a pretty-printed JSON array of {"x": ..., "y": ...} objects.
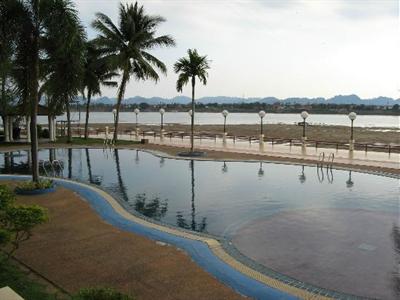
[{"x": 207, "y": 252}]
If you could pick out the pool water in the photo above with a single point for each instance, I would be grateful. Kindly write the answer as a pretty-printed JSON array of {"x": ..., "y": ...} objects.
[
  {"x": 300, "y": 209},
  {"x": 215, "y": 197}
]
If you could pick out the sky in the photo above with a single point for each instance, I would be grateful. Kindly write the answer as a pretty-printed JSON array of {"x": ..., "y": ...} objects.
[{"x": 279, "y": 48}]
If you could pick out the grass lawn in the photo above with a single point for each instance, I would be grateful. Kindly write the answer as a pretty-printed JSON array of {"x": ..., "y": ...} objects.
[{"x": 17, "y": 279}]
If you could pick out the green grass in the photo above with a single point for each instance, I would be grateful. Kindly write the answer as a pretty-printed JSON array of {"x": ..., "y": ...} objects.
[{"x": 18, "y": 280}]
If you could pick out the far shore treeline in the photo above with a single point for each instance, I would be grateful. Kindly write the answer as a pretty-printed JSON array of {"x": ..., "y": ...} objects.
[{"x": 248, "y": 107}]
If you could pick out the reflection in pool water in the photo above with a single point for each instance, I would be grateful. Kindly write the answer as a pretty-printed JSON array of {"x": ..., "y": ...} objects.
[
  {"x": 207, "y": 196},
  {"x": 335, "y": 210}
]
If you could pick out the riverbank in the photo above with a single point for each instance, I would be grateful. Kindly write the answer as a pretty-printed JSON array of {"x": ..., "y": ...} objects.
[{"x": 339, "y": 134}]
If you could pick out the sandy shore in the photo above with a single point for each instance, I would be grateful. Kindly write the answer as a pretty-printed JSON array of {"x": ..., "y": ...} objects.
[{"x": 315, "y": 132}]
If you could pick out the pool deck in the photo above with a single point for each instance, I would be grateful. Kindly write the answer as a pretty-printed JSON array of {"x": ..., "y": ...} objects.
[{"x": 381, "y": 161}]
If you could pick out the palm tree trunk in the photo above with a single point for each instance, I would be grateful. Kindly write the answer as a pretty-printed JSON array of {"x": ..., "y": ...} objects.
[
  {"x": 69, "y": 140},
  {"x": 89, "y": 95},
  {"x": 120, "y": 97},
  {"x": 192, "y": 119},
  {"x": 33, "y": 91}
]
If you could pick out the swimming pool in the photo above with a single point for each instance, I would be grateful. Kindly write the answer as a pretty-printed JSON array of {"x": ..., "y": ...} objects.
[{"x": 326, "y": 227}]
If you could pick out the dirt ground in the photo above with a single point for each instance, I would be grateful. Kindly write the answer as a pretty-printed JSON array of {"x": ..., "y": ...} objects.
[
  {"x": 315, "y": 132},
  {"x": 77, "y": 249}
]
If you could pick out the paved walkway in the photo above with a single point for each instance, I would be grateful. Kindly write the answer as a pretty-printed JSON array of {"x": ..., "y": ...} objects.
[{"x": 356, "y": 158}]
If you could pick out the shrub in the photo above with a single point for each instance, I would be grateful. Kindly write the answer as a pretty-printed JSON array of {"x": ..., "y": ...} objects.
[
  {"x": 16, "y": 222},
  {"x": 31, "y": 185},
  {"x": 101, "y": 294}
]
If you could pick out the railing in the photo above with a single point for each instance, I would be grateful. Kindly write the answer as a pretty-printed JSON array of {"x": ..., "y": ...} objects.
[{"x": 390, "y": 148}]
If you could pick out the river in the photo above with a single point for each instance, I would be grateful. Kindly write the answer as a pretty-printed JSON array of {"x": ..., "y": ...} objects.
[{"x": 382, "y": 121}]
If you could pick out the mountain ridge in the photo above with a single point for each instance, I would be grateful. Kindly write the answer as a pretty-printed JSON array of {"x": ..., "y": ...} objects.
[{"x": 338, "y": 99}]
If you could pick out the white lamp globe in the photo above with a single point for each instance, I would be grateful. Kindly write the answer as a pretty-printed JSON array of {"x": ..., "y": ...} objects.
[
  {"x": 304, "y": 115},
  {"x": 162, "y": 111},
  {"x": 225, "y": 113},
  {"x": 190, "y": 112},
  {"x": 262, "y": 114},
  {"x": 114, "y": 111},
  {"x": 352, "y": 116},
  {"x": 136, "y": 111}
]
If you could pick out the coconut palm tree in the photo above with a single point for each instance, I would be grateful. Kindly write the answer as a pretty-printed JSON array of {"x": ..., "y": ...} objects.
[
  {"x": 189, "y": 68},
  {"x": 64, "y": 64},
  {"x": 127, "y": 46},
  {"x": 43, "y": 54},
  {"x": 96, "y": 73}
]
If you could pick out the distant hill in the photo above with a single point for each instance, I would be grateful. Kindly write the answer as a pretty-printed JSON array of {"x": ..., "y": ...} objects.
[{"x": 340, "y": 99}]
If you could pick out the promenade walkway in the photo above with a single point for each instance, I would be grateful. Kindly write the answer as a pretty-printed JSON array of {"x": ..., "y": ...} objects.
[{"x": 298, "y": 152}]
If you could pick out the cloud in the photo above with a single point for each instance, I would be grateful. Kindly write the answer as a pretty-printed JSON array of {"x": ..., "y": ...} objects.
[{"x": 275, "y": 48}]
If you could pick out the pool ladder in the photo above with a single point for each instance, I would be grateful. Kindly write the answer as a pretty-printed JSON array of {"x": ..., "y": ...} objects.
[{"x": 328, "y": 162}]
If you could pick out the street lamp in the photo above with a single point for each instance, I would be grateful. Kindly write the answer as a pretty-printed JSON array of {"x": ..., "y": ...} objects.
[
  {"x": 352, "y": 117},
  {"x": 304, "y": 115},
  {"x": 190, "y": 112},
  {"x": 261, "y": 114},
  {"x": 162, "y": 112},
  {"x": 225, "y": 114},
  {"x": 136, "y": 111}
]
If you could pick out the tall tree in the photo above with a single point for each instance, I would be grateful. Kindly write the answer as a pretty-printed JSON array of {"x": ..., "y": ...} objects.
[
  {"x": 64, "y": 64},
  {"x": 43, "y": 53},
  {"x": 127, "y": 46},
  {"x": 96, "y": 73},
  {"x": 188, "y": 69}
]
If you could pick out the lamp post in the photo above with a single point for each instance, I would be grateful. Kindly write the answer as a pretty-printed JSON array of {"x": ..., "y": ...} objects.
[
  {"x": 225, "y": 114},
  {"x": 352, "y": 117},
  {"x": 136, "y": 111},
  {"x": 162, "y": 112},
  {"x": 304, "y": 115},
  {"x": 261, "y": 114}
]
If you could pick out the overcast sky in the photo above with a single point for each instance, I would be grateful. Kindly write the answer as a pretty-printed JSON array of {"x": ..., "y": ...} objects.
[{"x": 280, "y": 48}]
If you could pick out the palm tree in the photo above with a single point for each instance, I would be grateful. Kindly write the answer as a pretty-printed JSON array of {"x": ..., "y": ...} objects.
[
  {"x": 96, "y": 73},
  {"x": 126, "y": 46},
  {"x": 43, "y": 54},
  {"x": 189, "y": 68},
  {"x": 64, "y": 64}
]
